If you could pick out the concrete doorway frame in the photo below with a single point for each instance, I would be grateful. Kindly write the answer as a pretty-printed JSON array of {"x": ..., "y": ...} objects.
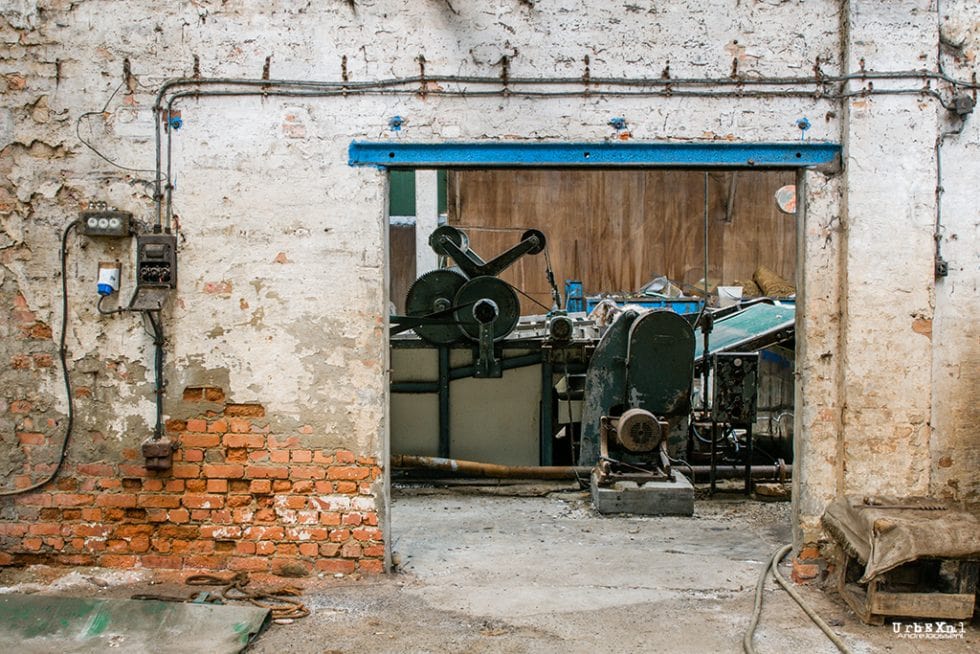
[{"x": 707, "y": 156}]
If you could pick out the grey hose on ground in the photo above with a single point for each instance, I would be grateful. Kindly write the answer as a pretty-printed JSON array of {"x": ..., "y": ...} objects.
[{"x": 757, "y": 610}]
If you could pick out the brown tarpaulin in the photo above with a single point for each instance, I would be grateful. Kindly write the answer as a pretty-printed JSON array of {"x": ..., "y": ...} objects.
[{"x": 885, "y": 532}]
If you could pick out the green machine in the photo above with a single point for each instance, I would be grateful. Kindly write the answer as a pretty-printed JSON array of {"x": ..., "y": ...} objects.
[{"x": 638, "y": 391}]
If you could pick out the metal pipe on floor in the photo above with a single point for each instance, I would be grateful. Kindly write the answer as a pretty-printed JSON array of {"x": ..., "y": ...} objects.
[{"x": 494, "y": 470}]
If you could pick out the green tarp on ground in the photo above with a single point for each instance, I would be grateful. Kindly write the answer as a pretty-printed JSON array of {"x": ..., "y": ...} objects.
[{"x": 39, "y": 623}]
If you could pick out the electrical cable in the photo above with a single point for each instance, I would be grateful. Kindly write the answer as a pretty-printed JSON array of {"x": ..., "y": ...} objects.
[
  {"x": 757, "y": 608},
  {"x": 571, "y": 421},
  {"x": 158, "y": 342},
  {"x": 78, "y": 133},
  {"x": 62, "y": 356}
]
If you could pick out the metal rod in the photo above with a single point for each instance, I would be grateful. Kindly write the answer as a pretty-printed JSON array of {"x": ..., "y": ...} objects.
[
  {"x": 545, "y": 454},
  {"x": 462, "y": 372},
  {"x": 443, "y": 401},
  {"x": 494, "y": 470}
]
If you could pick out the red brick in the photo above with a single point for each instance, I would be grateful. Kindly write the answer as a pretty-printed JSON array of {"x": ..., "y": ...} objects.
[
  {"x": 117, "y": 561},
  {"x": 128, "y": 531},
  {"x": 236, "y": 455},
  {"x": 375, "y": 551},
  {"x": 117, "y": 500},
  {"x": 31, "y": 543},
  {"x": 352, "y": 520},
  {"x": 306, "y": 472},
  {"x": 117, "y": 545},
  {"x": 371, "y": 566},
  {"x": 178, "y": 516},
  {"x": 251, "y": 441},
  {"x": 344, "y": 456},
  {"x": 287, "y": 549},
  {"x": 289, "y": 442},
  {"x": 43, "y": 360},
  {"x": 250, "y": 563},
  {"x": 174, "y": 425},
  {"x": 302, "y": 456},
  {"x": 152, "y": 485},
  {"x": 239, "y": 425},
  {"x": 275, "y": 472},
  {"x": 92, "y": 515},
  {"x": 804, "y": 572},
  {"x": 303, "y": 487},
  {"x": 16, "y": 530},
  {"x": 204, "y": 562},
  {"x": 279, "y": 456},
  {"x": 203, "y": 501},
  {"x": 309, "y": 549},
  {"x": 31, "y": 438},
  {"x": 197, "y": 425},
  {"x": 45, "y": 529},
  {"x": 336, "y": 472},
  {"x": 131, "y": 470},
  {"x": 218, "y": 427},
  {"x": 186, "y": 470},
  {"x": 224, "y": 470},
  {"x": 367, "y": 533},
  {"x": 196, "y": 485},
  {"x": 351, "y": 550},
  {"x": 193, "y": 455},
  {"x": 282, "y": 486},
  {"x": 323, "y": 457},
  {"x": 191, "y": 439},
  {"x": 72, "y": 499},
  {"x": 339, "y": 535},
  {"x": 161, "y": 561},
  {"x": 248, "y": 410},
  {"x": 333, "y": 566},
  {"x": 20, "y": 406},
  {"x": 244, "y": 547},
  {"x": 159, "y": 501},
  {"x": 263, "y": 533},
  {"x": 217, "y": 485},
  {"x": 95, "y": 469},
  {"x": 346, "y": 487}
]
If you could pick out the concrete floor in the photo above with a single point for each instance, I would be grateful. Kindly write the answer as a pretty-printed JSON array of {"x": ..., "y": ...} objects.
[{"x": 545, "y": 573}]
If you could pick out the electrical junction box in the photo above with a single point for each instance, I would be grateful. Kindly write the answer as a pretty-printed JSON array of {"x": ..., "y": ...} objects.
[
  {"x": 102, "y": 220},
  {"x": 736, "y": 382},
  {"x": 156, "y": 261}
]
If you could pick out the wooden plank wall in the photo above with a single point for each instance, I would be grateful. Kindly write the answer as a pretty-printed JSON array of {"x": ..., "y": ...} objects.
[
  {"x": 616, "y": 230},
  {"x": 401, "y": 256}
]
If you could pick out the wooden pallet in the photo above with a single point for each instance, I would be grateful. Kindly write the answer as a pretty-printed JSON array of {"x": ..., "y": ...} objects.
[{"x": 873, "y": 605}]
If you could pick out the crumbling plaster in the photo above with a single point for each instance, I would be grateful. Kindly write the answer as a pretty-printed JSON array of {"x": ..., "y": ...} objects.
[{"x": 282, "y": 295}]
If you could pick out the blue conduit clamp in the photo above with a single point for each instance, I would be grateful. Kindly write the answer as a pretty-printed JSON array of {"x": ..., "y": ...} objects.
[
  {"x": 618, "y": 123},
  {"x": 175, "y": 122},
  {"x": 804, "y": 125},
  {"x": 395, "y": 123}
]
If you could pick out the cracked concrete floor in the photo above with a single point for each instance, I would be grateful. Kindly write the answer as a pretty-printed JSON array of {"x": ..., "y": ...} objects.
[
  {"x": 531, "y": 572},
  {"x": 547, "y": 574}
]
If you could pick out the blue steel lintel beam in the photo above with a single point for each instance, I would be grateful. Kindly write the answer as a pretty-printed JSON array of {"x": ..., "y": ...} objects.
[{"x": 537, "y": 154}]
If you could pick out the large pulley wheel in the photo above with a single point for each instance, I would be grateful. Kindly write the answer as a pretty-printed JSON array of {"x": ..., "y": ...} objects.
[
  {"x": 444, "y": 234},
  {"x": 434, "y": 293},
  {"x": 484, "y": 300}
]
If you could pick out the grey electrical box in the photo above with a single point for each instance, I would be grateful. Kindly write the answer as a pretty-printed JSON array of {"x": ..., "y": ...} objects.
[
  {"x": 103, "y": 220},
  {"x": 156, "y": 261},
  {"x": 156, "y": 270},
  {"x": 736, "y": 381}
]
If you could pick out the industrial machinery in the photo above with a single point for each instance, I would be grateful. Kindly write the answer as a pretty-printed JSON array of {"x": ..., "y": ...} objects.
[
  {"x": 469, "y": 302},
  {"x": 637, "y": 392}
]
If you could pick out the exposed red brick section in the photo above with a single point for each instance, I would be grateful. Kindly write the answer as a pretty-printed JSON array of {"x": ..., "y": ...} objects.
[{"x": 237, "y": 498}]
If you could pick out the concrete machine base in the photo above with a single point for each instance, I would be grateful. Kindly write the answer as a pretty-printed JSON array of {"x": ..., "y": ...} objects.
[{"x": 650, "y": 498}]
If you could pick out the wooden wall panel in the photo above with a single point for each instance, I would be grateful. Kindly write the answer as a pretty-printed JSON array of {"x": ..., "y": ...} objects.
[
  {"x": 616, "y": 230},
  {"x": 401, "y": 267}
]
